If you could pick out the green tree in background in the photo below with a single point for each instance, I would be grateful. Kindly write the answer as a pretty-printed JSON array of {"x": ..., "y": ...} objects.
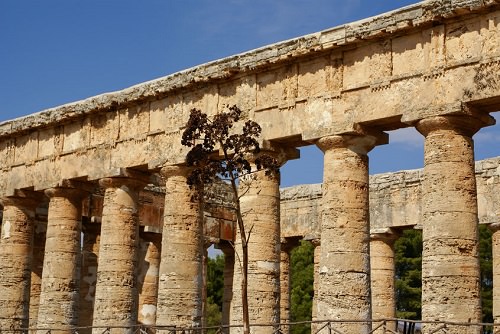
[
  {"x": 302, "y": 290},
  {"x": 486, "y": 265},
  {"x": 408, "y": 262},
  {"x": 408, "y": 258},
  {"x": 215, "y": 290}
]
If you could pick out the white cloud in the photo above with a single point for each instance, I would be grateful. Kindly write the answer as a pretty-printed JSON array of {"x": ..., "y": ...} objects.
[{"x": 407, "y": 136}]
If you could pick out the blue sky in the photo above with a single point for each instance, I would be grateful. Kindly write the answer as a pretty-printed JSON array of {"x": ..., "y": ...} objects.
[{"x": 58, "y": 51}]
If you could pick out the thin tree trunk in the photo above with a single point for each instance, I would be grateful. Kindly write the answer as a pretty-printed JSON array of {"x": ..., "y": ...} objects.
[
  {"x": 244, "y": 290},
  {"x": 244, "y": 247}
]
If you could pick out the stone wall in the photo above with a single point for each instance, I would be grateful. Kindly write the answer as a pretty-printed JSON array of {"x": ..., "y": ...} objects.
[{"x": 395, "y": 201}]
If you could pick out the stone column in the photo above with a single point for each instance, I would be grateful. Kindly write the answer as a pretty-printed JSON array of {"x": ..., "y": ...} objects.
[
  {"x": 317, "y": 256},
  {"x": 227, "y": 296},
  {"x": 16, "y": 242},
  {"x": 116, "y": 288},
  {"x": 260, "y": 203},
  {"x": 150, "y": 251},
  {"x": 36, "y": 269},
  {"x": 344, "y": 289},
  {"x": 287, "y": 245},
  {"x": 495, "y": 250},
  {"x": 382, "y": 276},
  {"x": 61, "y": 266},
  {"x": 180, "y": 278},
  {"x": 285, "y": 287},
  {"x": 90, "y": 255},
  {"x": 450, "y": 262}
]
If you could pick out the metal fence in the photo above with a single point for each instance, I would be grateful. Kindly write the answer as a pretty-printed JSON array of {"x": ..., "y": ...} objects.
[{"x": 378, "y": 326}]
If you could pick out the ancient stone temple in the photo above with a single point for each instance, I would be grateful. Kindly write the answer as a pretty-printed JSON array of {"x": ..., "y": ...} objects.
[{"x": 100, "y": 230}]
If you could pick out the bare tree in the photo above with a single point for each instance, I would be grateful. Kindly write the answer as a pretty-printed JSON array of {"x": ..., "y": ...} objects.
[{"x": 217, "y": 153}]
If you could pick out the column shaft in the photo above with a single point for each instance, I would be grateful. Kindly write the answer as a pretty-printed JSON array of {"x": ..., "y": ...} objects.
[
  {"x": 344, "y": 290},
  {"x": 285, "y": 289},
  {"x": 287, "y": 246},
  {"x": 16, "y": 244},
  {"x": 382, "y": 278},
  {"x": 450, "y": 262},
  {"x": 116, "y": 288},
  {"x": 61, "y": 271},
  {"x": 180, "y": 278},
  {"x": 260, "y": 209},
  {"x": 90, "y": 255},
  {"x": 495, "y": 250},
  {"x": 36, "y": 270},
  {"x": 150, "y": 250},
  {"x": 227, "y": 297},
  {"x": 317, "y": 256}
]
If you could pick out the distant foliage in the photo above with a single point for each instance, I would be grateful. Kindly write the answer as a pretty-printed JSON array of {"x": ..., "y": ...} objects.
[
  {"x": 215, "y": 279},
  {"x": 486, "y": 263},
  {"x": 302, "y": 280},
  {"x": 215, "y": 290},
  {"x": 408, "y": 258},
  {"x": 408, "y": 261}
]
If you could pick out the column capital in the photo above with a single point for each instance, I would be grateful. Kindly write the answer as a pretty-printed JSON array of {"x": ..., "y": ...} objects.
[
  {"x": 494, "y": 227},
  {"x": 359, "y": 143},
  {"x": 70, "y": 193},
  {"x": 175, "y": 170},
  {"x": 281, "y": 153},
  {"x": 387, "y": 235},
  {"x": 27, "y": 198},
  {"x": 315, "y": 242},
  {"x": 466, "y": 124},
  {"x": 119, "y": 181}
]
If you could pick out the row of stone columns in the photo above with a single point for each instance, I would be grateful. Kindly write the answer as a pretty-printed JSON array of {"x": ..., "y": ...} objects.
[
  {"x": 94, "y": 281},
  {"x": 63, "y": 294},
  {"x": 450, "y": 269}
]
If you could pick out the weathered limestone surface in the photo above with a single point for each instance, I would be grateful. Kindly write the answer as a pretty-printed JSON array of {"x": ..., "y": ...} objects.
[
  {"x": 60, "y": 293},
  {"x": 287, "y": 245},
  {"x": 37, "y": 267},
  {"x": 260, "y": 207},
  {"x": 180, "y": 277},
  {"x": 88, "y": 280},
  {"x": 395, "y": 201},
  {"x": 495, "y": 250},
  {"x": 450, "y": 256},
  {"x": 116, "y": 295},
  {"x": 382, "y": 269},
  {"x": 227, "y": 297},
  {"x": 16, "y": 242},
  {"x": 317, "y": 257},
  {"x": 285, "y": 290},
  {"x": 149, "y": 259},
  {"x": 344, "y": 273},
  {"x": 300, "y": 211}
]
